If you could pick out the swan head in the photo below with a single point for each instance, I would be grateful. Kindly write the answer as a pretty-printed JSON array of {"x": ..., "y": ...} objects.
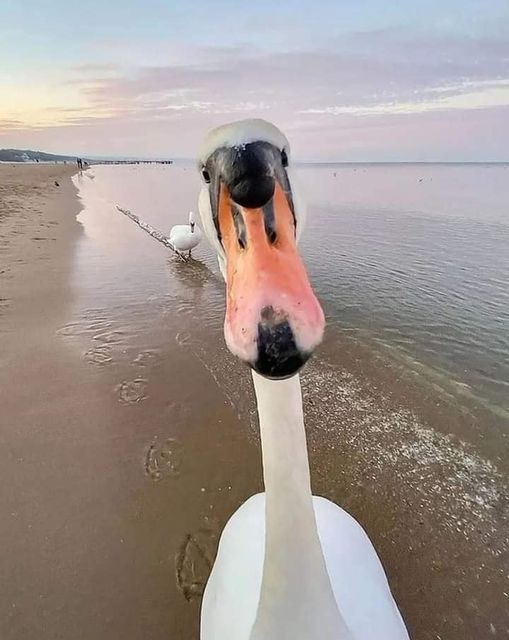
[
  {"x": 253, "y": 217},
  {"x": 192, "y": 221}
]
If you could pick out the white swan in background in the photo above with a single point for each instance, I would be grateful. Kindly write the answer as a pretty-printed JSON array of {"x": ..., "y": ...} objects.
[
  {"x": 290, "y": 565},
  {"x": 185, "y": 237}
]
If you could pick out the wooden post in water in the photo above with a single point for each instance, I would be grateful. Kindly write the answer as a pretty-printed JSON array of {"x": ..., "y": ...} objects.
[{"x": 152, "y": 231}]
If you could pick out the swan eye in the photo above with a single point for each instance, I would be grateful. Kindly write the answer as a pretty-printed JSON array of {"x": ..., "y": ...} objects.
[
  {"x": 284, "y": 158},
  {"x": 205, "y": 175}
]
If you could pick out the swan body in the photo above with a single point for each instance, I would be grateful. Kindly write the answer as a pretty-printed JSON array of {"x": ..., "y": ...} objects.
[
  {"x": 185, "y": 237},
  {"x": 357, "y": 576},
  {"x": 290, "y": 565}
]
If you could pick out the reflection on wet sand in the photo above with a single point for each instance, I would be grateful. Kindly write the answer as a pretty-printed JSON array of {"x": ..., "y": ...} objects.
[{"x": 192, "y": 274}]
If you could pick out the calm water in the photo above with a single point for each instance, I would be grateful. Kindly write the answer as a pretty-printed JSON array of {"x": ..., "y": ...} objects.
[
  {"x": 414, "y": 256},
  {"x": 418, "y": 256}
]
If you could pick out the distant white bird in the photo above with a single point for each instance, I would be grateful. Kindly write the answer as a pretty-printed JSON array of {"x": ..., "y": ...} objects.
[{"x": 185, "y": 237}]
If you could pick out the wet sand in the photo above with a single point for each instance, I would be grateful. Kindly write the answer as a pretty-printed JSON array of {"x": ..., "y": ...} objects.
[
  {"x": 109, "y": 505},
  {"x": 123, "y": 452}
]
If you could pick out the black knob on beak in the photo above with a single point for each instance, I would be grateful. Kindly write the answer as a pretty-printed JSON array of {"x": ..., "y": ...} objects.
[{"x": 249, "y": 175}]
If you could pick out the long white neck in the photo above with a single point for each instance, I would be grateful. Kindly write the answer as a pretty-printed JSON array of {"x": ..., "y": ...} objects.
[{"x": 296, "y": 599}]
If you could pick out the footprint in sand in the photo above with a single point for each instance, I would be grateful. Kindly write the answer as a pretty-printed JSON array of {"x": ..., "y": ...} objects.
[
  {"x": 185, "y": 307},
  {"x": 81, "y": 327},
  {"x": 164, "y": 460},
  {"x": 108, "y": 337},
  {"x": 71, "y": 329},
  {"x": 193, "y": 562},
  {"x": 98, "y": 355},
  {"x": 132, "y": 391},
  {"x": 96, "y": 326},
  {"x": 183, "y": 337}
]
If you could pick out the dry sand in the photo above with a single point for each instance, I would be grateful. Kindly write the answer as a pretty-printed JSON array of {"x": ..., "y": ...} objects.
[{"x": 117, "y": 477}]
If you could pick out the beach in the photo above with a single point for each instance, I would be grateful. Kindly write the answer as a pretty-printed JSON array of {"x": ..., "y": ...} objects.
[{"x": 129, "y": 432}]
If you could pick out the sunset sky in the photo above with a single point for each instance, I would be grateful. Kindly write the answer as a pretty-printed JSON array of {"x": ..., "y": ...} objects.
[{"x": 346, "y": 80}]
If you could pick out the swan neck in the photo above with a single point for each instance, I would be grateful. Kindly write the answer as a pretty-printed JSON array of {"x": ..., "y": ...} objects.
[
  {"x": 296, "y": 597},
  {"x": 283, "y": 439}
]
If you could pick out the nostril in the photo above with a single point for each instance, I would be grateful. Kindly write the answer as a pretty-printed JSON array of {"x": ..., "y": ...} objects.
[
  {"x": 240, "y": 226},
  {"x": 272, "y": 235},
  {"x": 269, "y": 221}
]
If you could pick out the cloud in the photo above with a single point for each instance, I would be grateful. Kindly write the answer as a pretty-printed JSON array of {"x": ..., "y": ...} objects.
[
  {"x": 94, "y": 68},
  {"x": 379, "y": 81},
  {"x": 8, "y": 125},
  {"x": 490, "y": 94},
  {"x": 366, "y": 70}
]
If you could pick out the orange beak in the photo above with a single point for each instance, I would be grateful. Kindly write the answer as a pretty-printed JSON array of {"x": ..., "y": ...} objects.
[{"x": 273, "y": 319}]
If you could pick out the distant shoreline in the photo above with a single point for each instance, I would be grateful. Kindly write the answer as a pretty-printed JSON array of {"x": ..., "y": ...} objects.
[
  {"x": 73, "y": 162},
  {"x": 28, "y": 156}
]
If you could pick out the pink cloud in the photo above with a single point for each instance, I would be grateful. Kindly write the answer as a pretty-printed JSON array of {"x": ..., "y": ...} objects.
[{"x": 322, "y": 98}]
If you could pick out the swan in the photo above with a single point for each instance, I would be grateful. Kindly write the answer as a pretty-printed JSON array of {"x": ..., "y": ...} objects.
[
  {"x": 185, "y": 237},
  {"x": 290, "y": 565}
]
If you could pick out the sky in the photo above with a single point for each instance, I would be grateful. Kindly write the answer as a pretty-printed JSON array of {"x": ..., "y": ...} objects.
[{"x": 346, "y": 80}]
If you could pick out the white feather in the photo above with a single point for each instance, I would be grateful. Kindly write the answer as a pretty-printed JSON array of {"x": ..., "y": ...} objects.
[
  {"x": 357, "y": 577},
  {"x": 236, "y": 134}
]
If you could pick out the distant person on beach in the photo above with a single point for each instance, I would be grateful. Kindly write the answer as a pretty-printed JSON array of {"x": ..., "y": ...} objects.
[{"x": 79, "y": 162}]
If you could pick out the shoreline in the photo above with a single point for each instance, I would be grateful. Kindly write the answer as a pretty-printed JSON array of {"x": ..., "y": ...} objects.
[{"x": 131, "y": 438}]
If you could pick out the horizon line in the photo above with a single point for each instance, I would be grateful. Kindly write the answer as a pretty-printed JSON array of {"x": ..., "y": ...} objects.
[{"x": 100, "y": 157}]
